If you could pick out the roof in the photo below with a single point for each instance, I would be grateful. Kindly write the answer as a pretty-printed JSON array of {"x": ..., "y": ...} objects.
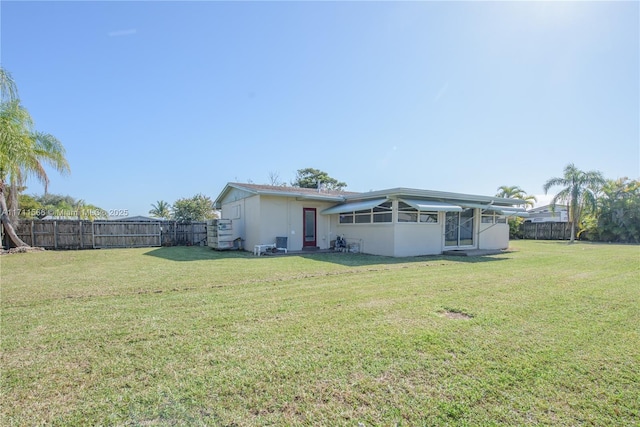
[
  {"x": 139, "y": 218},
  {"x": 440, "y": 196},
  {"x": 347, "y": 196},
  {"x": 284, "y": 191},
  {"x": 548, "y": 208}
]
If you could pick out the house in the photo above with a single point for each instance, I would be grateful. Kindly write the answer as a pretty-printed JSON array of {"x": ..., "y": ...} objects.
[
  {"x": 395, "y": 222},
  {"x": 548, "y": 213},
  {"x": 139, "y": 218}
]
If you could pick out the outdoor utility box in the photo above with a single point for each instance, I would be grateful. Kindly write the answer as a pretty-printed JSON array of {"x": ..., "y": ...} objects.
[
  {"x": 220, "y": 234},
  {"x": 281, "y": 242}
]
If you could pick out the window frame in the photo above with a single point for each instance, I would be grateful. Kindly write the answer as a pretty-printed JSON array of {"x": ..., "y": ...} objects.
[
  {"x": 407, "y": 214},
  {"x": 369, "y": 216},
  {"x": 490, "y": 216}
]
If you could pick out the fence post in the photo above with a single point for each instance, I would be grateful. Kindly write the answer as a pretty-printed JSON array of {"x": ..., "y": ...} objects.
[
  {"x": 80, "y": 227},
  {"x": 33, "y": 236},
  {"x": 55, "y": 234}
]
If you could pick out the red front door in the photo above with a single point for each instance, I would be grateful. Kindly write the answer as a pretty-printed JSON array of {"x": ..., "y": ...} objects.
[{"x": 309, "y": 227}]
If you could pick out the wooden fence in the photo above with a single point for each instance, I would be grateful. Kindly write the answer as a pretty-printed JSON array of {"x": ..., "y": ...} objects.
[
  {"x": 77, "y": 234},
  {"x": 546, "y": 230}
]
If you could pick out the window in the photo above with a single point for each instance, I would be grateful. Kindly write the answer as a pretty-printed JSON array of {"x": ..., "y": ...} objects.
[
  {"x": 363, "y": 217},
  {"x": 491, "y": 218},
  {"x": 346, "y": 218},
  {"x": 379, "y": 214},
  {"x": 406, "y": 213},
  {"x": 382, "y": 212},
  {"x": 430, "y": 217}
]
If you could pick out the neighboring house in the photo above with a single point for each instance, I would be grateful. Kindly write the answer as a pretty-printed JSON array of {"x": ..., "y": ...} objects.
[
  {"x": 396, "y": 222},
  {"x": 138, "y": 218},
  {"x": 548, "y": 213}
]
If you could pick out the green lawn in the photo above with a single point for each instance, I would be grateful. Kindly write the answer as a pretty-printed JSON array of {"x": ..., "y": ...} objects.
[{"x": 186, "y": 335}]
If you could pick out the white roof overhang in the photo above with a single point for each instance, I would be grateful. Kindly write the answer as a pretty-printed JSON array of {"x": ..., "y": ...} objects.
[
  {"x": 511, "y": 211},
  {"x": 354, "y": 206},
  {"x": 427, "y": 205},
  {"x": 502, "y": 210}
]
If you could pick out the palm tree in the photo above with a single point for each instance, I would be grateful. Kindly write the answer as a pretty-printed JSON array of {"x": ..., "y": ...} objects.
[
  {"x": 579, "y": 192},
  {"x": 515, "y": 192},
  {"x": 24, "y": 152},
  {"x": 161, "y": 209},
  {"x": 89, "y": 212},
  {"x": 8, "y": 89}
]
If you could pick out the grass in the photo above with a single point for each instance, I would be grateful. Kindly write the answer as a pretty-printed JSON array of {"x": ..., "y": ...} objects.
[{"x": 546, "y": 334}]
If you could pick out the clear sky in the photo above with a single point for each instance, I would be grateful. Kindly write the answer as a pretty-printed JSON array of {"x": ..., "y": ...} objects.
[{"x": 164, "y": 100}]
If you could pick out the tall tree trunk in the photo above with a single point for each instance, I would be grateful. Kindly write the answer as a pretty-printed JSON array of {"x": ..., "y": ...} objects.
[
  {"x": 574, "y": 214},
  {"x": 573, "y": 232},
  {"x": 6, "y": 222}
]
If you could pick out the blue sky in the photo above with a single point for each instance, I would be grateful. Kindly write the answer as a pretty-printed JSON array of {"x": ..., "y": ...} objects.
[{"x": 164, "y": 100}]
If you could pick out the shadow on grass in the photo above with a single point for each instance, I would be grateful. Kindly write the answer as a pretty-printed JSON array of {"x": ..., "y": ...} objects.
[
  {"x": 197, "y": 253},
  {"x": 357, "y": 260},
  {"x": 194, "y": 253}
]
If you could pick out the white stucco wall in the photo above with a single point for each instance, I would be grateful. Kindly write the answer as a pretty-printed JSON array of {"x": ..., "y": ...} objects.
[
  {"x": 251, "y": 217},
  {"x": 235, "y": 212},
  {"x": 396, "y": 239},
  {"x": 243, "y": 212},
  {"x": 275, "y": 219},
  {"x": 418, "y": 239},
  {"x": 376, "y": 239},
  {"x": 494, "y": 236},
  {"x": 264, "y": 218}
]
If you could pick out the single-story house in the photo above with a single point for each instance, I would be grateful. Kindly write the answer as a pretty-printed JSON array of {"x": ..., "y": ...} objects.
[
  {"x": 395, "y": 222},
  {"x": 548, "y": 213}
]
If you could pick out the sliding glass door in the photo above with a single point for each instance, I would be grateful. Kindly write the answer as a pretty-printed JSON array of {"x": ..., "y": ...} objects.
[{"x": 458, "y": 228}]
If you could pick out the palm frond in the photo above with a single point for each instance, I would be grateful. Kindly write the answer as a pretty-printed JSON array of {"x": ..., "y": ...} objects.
[{"x": 8, "y": 88}]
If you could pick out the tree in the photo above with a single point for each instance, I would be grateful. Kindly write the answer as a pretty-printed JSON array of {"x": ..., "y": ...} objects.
[
  {"x": 274, "y": 179},
  {"x": 619, "y": 211},
  {"x": 24, "y": 152},
  {"x": 161, "y": 209},
  {"x": 196, "y": 208},
  {"x": 65, "y": 207},
  {"x": 313, "y": 178},
  {"x": 8, "y": 88},
  {"x": 579, "y": 192},
  {"x": 515, "y": 192},
  {"x": 29, "y": 206},
  {"x": 87, "y": 211}
]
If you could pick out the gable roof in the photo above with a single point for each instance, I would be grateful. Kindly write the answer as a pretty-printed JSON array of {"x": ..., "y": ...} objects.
[{"x": 275, "y": 190}]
